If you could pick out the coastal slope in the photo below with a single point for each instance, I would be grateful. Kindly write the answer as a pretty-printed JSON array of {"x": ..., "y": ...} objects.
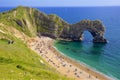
[{"x": 17, "y": 60}]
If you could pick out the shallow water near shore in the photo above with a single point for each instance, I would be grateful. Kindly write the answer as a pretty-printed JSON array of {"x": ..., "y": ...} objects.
[
  {"x": 102, "y": 57},
  {"x": 91, "y": 54}
]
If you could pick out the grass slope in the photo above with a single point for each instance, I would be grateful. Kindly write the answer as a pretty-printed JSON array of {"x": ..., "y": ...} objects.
[
  {"x": 17, "y": 62},
  {"x": 21, "y": 19}
]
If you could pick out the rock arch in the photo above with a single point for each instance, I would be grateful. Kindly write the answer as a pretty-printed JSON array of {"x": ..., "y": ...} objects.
[{"x": 96, "y": 29}]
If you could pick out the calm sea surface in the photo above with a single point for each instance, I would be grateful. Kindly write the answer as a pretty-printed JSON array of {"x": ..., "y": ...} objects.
[{"x": 101, "y": 57}]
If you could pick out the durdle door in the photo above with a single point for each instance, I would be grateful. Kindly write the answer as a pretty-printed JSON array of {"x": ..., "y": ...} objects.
[{"x": 96, "y": 29}]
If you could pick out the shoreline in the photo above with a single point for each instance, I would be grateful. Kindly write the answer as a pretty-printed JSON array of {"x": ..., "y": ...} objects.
[
  {"x": 84, "y": 67},
  {"x": 44, "y": 46}
]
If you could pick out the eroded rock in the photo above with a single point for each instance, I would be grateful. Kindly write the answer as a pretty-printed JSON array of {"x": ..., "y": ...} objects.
[{"x": 96, "y": 29}]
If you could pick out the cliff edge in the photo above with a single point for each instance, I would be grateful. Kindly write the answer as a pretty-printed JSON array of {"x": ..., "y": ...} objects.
[{"x": 35, "y": 23}]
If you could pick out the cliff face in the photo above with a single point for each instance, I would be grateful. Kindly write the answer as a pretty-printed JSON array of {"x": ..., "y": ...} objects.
[
  {"x": 32, "y": 23},
  {"x": 49, "y": 25}
]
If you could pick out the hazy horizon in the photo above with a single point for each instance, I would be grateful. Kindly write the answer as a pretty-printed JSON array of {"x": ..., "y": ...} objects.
[
  {"x": 57, "y": 6},
  {"x": 61, "y": 3}
]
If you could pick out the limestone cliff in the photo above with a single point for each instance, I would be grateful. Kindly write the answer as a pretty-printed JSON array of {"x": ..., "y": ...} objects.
[
  {"x": 32, "y": 23},
  {"x": 75, "y": 31}
]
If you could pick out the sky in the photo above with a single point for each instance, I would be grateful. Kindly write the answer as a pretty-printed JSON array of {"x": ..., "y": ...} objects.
[{"x": 59, "y": 3}]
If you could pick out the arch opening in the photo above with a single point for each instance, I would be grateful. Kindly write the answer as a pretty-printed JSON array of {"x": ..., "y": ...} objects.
[
  {"x": 87, "y": 36},
  {"x": 92, "y": 29}
]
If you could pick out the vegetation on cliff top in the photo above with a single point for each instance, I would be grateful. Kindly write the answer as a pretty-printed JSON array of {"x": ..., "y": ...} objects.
[
  {"x": 20, "y": 19},
  {"x": 32, "y": 22}
]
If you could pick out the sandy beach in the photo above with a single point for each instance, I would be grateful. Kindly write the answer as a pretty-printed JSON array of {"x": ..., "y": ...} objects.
[{"x": 70, "y": 68}]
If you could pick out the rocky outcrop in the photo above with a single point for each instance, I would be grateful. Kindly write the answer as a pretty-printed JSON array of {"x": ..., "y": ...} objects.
[
  {"x": 75, "y": 31},
  {"x": 33, "y": 22}
]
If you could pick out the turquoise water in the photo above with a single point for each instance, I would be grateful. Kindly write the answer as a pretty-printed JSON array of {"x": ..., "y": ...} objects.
[
  {"x": 102, "y": 57},
  {"x": 93, "y": 55}
]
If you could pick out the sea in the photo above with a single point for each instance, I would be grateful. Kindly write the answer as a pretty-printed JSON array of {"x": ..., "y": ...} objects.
[{"x": 104, "y": 58}]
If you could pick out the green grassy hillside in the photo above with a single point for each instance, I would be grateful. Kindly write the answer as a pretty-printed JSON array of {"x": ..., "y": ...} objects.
[
  {"x": 20, "y": 18},
  {"x": 17, "y": 61}
]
